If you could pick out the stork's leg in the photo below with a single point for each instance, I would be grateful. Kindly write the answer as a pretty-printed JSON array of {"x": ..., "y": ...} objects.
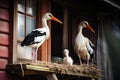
[
  {"x": 88, "y": 58},
  {"x": 34, "y": 55},
  {"x": 80, "y": 60},
  {"x": 88, "y": 62}
]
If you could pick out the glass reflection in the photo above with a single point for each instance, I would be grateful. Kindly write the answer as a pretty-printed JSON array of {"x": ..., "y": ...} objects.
[
  {"x": 30, "y": 24},
  {"x": 20, "y": 26},
  {"x": 24, "y": 52},
  {"x": 21, "y": 5},
  {"x": 31, "y": 7}
]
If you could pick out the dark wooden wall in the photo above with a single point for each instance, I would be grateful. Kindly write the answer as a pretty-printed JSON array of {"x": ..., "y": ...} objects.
[
  {"x": 5, "y": 37},
  {"x": 44, "y": 53}
]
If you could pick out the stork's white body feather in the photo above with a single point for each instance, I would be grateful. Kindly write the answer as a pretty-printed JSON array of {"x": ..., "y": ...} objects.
[
  {"x": 40, "y": 39},
  {"x": 82, "y": 44},
  {"x": 67, "y": 59}
]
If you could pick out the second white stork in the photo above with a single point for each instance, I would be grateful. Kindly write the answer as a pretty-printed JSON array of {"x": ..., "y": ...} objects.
[
  {"x": 82, "y": 45},
  {"x": 38, "y": 36}
]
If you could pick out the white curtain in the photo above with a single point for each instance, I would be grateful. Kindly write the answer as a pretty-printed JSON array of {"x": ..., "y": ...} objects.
[{"x": 103, "y": 56}]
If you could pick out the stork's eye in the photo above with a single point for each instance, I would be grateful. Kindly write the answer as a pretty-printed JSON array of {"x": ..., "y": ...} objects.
[
  {"x": 50, "y": 15},
  {"x": 85, "y": 23}
]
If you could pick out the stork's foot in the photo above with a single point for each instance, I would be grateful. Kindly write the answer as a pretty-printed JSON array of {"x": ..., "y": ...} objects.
[
  {"x": 81, "y": 62},
  {"x": 88, "y": 63}
]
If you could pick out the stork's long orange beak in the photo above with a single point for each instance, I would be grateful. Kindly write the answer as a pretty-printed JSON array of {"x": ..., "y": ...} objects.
[
  {"x": 90, "y": 28},
  {"x": 55, "y": 19}
]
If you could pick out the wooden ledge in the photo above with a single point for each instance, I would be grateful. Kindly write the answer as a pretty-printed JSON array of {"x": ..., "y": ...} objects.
[{"x": 48, "y": 67}]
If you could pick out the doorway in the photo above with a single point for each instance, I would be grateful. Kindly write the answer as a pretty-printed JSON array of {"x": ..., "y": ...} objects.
[{"x": 57, "y": 32}]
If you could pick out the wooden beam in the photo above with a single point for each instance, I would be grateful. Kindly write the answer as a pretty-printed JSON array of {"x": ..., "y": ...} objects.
[
  {"x": 52, "y": 76},
  {"x": 46, "y": 68},
  {"x": 44, "y": 53},
  {"x": 65, "y": 30}
]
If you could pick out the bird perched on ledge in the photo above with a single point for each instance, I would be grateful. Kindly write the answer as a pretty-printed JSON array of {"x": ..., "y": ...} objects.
[
  {"x": 82, "y": 45},
  {"x": 67, "y": 59},
  {"x": 38, "y": 36}
]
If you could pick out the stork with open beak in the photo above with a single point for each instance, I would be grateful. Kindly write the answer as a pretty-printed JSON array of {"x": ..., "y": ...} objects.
[
  {"x": 82, "y": 44},
  {"x": 38, "y": 36}
]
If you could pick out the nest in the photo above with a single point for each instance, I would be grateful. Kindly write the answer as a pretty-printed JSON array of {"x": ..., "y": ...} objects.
[{"x": 82, "y": 70}]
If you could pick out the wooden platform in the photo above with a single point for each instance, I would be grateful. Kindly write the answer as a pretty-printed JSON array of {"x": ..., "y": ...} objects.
[{"x": 59, "y": 69}]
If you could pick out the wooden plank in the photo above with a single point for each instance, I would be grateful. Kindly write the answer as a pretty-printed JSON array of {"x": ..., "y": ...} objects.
[
  {"x": 4, "y": 14},
  {"x": 4, "y": 39},
  {"x": 52, "y": 76},
  {"x": 38, "y": 68},
  {"x": 3, "y": 63},
  {"x": 46, "y": 68},
  {"x": 3, "y": 51},
  {"x": 75, "y": 70},
  {"x": 3, "y": 75},
  {"x": 4, "y": 26},
  {"x": 4, "y": 3}
]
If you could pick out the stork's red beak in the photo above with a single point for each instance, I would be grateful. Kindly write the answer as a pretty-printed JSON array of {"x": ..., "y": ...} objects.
[
  {"x": 55, "y": 19},
  {"x": 90, "y": 28}
]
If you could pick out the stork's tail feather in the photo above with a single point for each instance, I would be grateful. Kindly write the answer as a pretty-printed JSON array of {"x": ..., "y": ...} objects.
[
  {"x": 22, "y": 44},
  {"x": 91, "y": 43}
]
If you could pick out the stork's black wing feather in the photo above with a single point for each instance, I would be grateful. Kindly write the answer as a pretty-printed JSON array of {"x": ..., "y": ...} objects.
[{"x": 29, "y": 39}]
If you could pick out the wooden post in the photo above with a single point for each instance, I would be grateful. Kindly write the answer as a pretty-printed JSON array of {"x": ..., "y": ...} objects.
[
  {"x": 44, "y": 53},
  {"x": 52, "y": 76},
  {"x": 65, "y": 30}
]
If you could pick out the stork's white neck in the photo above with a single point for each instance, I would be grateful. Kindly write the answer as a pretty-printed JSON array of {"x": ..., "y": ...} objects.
[
  {"x": 44, "y": 25},
  {"x": 80, "y": 29},
  {"x": 67, "y": 55}
]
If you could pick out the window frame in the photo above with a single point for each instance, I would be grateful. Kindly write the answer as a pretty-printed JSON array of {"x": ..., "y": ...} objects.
[
  {"x": 23, "y": 13},
  {"x": 44, "y": 52},
  {"x": 15, "y": 34}
]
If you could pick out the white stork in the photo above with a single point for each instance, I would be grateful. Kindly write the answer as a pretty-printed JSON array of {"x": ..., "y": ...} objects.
[
  {"x": 67, "y": 59},
  {"x": 38, "y": 36},
  {"x": 82, "y": 45}
]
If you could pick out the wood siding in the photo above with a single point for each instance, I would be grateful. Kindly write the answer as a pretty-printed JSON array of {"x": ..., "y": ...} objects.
[
  {"x": 5, "y": 37},
  {"x": 45, "y": 50}
]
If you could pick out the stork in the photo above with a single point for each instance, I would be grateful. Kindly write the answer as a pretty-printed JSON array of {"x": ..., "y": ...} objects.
[
  {"x": 38, "y": 36},
  {"x": 82, "y": 45},
  {"x": 67, "y": 59}
]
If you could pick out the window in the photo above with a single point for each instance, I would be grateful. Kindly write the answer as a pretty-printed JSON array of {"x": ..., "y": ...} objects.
[
  {"x": 28, "y": 15},
  {"x": 26, "y": 22}
]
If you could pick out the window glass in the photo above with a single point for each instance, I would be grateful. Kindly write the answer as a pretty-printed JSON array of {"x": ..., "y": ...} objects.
[
  {"x": 30, "y": 24},
  {"x": 21, "y": 26},
  {"x": 26, "y": 22},
  {"x": 21, "y": 5},
  {"x": 31, "y": 7},
  {"x": 24, "y": 52}
]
